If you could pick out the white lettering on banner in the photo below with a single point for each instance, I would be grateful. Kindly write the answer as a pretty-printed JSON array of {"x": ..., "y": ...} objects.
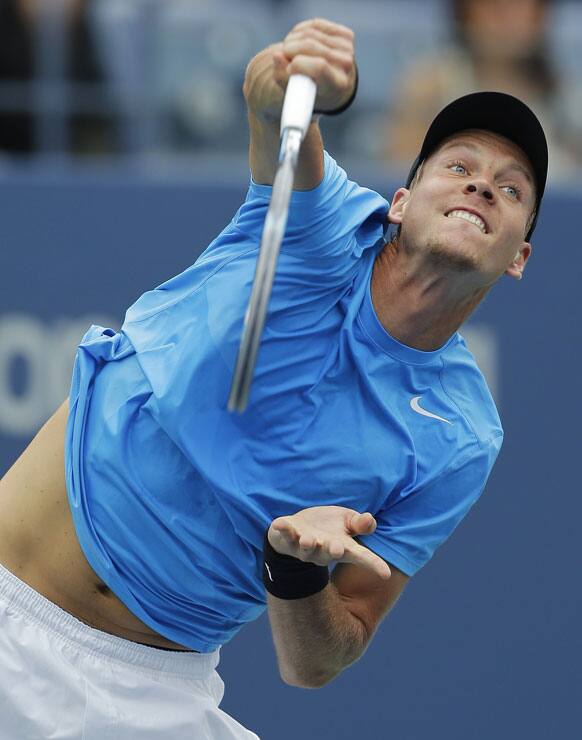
[
  {"x": 483, "y": 343},
  {"x": 47, "y": 350}
]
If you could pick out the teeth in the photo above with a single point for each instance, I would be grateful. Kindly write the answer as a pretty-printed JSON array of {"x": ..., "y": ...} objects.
[{"x": 468, "y": 217}]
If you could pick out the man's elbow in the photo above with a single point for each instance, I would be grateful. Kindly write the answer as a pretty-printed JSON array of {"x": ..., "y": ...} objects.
[
  {"x": 306, "y": 669},
  {"x": 309, "y": 674},
  {"x": 307, "y": 679}
]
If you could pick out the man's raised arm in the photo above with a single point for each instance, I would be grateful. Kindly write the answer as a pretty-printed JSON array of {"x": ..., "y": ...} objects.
[{"x": 325, "y": 52}]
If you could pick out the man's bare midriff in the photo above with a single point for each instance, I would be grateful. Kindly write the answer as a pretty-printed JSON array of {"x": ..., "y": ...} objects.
[{"x": 39, "y": 545}]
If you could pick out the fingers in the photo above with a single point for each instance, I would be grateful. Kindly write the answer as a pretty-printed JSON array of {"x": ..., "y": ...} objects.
[
  {"x": 323, "y": 535},
  {"x": 301, "y": 53},
  {"x": 305, "y": 543},
  {"x": 280, "y": 68},
  {"x": 320, "y": 37},
  {"x": 323, "y": 51},
  {"x": 326, "y": 74},
  {"x": 360, "y": 524},
  {"x": 345, "y": 551},
  {"x": 283, "y": 526},
  {"x": 324, "y": 550},
  {"x": 317, "y": 48},
  {"x": 359, "y": 555},
  {"x": 319, "y": 45},
  {"x": 328, "y": 27}
]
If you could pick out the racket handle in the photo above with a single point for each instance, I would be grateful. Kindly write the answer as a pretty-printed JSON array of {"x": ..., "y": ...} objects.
[{"x": 298, "y": 103}]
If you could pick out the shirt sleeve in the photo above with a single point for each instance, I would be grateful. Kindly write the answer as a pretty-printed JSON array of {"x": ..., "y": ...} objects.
[
  {"x": 412, "y": 526},
  {"x": 336, "y": 220}
]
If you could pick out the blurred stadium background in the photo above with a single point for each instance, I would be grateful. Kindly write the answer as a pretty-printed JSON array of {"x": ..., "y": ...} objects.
[{"x": 123, "y": 134}]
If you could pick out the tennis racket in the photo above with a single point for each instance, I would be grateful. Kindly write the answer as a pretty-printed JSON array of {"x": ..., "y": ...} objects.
[{"x": 295, "y": 120}]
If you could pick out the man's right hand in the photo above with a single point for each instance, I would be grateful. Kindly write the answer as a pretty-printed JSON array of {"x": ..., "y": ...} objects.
[{"x": 319, "y": 49}]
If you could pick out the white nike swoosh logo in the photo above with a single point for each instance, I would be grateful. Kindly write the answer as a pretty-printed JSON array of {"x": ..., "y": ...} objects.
[
  {"x": 415, "y": 406},
  {"x": 269, "y": 572}
]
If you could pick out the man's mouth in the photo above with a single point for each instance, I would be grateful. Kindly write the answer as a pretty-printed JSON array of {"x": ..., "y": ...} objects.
[{"x": 473, "y": 218}]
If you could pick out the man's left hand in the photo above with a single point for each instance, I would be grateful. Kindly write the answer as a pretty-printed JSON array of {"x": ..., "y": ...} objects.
[{"x": 325, "y": 534}]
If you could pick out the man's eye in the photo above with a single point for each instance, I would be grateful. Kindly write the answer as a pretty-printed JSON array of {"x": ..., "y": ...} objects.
[
  {"x": 512, "y": 191},
  {"x": 459, "y": 168}
]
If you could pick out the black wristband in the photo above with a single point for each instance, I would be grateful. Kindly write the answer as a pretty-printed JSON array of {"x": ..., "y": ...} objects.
[
  {"x": 290, "y": 578},
  {"x": 346, "y": 105}
]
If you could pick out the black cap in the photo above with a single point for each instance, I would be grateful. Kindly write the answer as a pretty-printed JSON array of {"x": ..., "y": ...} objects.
[{"x": 497, "y": 112}]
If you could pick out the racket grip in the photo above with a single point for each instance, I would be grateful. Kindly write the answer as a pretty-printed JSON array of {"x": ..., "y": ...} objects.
[{"x": 298, "y": 103}]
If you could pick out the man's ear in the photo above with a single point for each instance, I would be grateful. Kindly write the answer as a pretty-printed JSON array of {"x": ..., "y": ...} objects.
[
  {"x": 517, "y": 266},
  {"x": 398, "y": 205}
]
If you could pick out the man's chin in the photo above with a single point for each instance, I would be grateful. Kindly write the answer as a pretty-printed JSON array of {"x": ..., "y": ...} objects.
[{"x": 445, "y": 256}]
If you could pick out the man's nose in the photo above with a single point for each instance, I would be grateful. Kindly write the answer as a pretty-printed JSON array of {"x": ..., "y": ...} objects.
[{"x": 482, "y": 187}]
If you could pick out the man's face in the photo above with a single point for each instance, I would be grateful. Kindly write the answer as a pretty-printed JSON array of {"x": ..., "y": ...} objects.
[{"x": 471, "y": 206}]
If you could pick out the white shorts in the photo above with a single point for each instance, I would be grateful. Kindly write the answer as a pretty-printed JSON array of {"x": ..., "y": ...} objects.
[{"x": 60, "y": 678}]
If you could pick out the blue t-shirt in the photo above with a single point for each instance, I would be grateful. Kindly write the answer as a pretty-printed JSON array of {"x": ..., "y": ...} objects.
[{"x": 171, "y": 494}]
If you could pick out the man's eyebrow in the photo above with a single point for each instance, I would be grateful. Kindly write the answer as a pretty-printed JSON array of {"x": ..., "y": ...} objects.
[
  {"x": 523, "y": 170},
  {"x": 475, "y": 148}
]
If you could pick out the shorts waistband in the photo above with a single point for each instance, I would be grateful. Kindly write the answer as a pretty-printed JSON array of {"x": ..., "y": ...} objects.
[{"x": 69, "y": 629}]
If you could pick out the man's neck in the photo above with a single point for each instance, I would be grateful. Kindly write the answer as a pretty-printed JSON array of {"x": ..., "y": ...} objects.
[{"x": 419, "y": 306}]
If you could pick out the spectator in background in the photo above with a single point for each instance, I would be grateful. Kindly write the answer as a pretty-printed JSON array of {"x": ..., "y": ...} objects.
[
  {"x": 498, "y": 45},
  {"x": 71, "y": 59}
]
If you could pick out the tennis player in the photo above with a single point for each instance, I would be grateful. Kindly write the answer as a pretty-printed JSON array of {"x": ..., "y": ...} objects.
[{"x": 144, "y": 525}]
